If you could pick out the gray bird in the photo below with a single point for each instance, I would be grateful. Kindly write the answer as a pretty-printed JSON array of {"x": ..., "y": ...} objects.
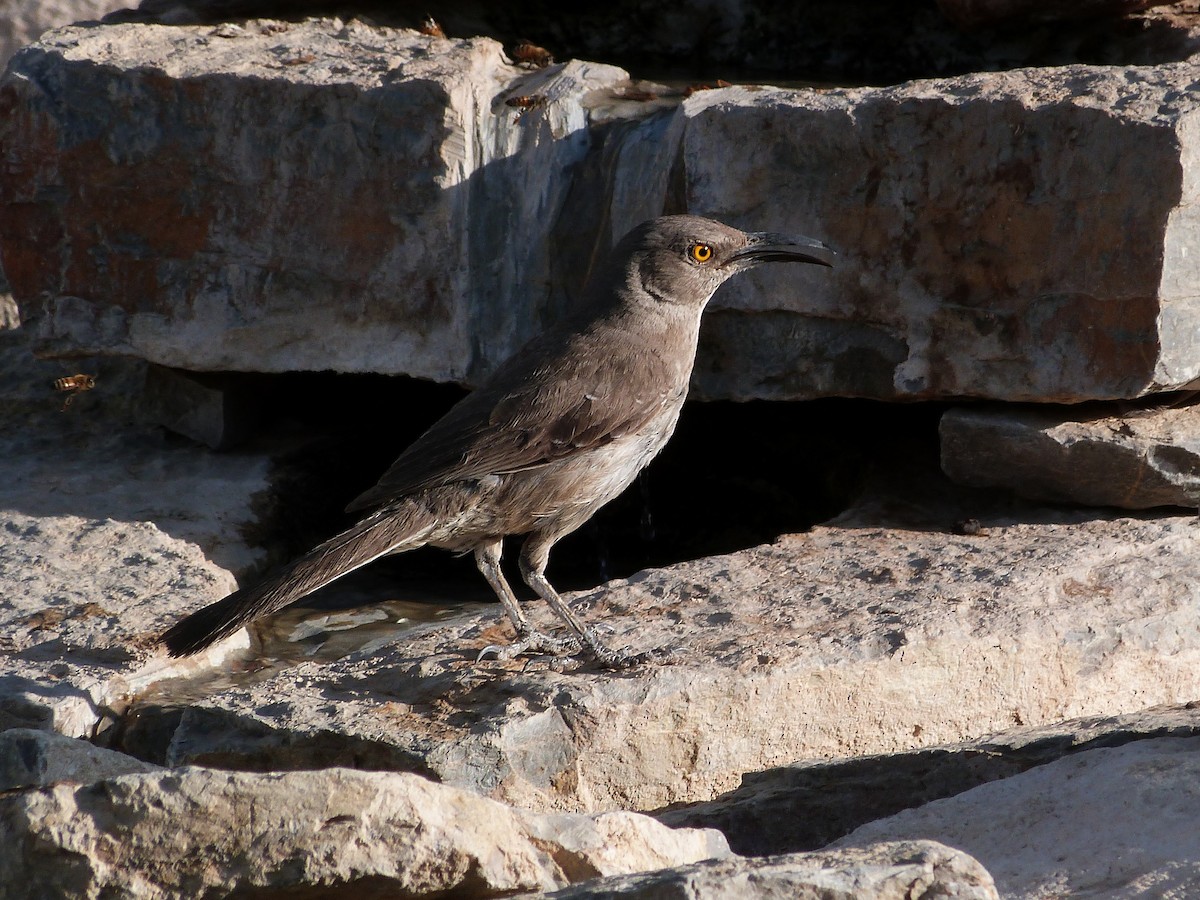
[{"x": 560, "y": 429}]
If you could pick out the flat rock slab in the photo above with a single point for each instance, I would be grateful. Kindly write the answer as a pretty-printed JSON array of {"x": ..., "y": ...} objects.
[
  {"x": 1121, "y": 822},
  {"x": 892, "y": 871},
  {"x": 388, "y": 216},
  {"x": 31, "y": 758},
  {"x": 980, "y": 257},
  {"x": 844, "y": 641},
  {"x": 396, "y": 215},
  {"x": 810, "y": 803},
  {"x": 1134, "y": 459},
  {"x": 200, "y": 833}
]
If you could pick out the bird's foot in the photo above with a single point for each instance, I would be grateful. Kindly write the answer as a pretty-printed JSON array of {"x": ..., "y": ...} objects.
[
  {"x": 531, "y": 641},
  {"x": 623, "y": 658},
  {"x": 618, "y": 659}
]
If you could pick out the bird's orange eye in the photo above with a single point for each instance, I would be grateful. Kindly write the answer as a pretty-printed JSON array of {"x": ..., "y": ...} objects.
[{"x": 701, "y": 253}]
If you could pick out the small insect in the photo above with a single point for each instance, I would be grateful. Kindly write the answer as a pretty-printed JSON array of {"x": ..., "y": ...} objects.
[
  {"x": 431, "y": 28},
  {"x": 531, "y": 56},
  {"x": 74, "y": 385},
  {"x": 529, "y": 101},
  {"x": 299, "y": 59},
  {"x": 525, "y": 103}
]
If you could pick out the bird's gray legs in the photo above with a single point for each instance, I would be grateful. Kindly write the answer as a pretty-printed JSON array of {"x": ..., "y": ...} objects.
[
  {"x": 487, "y": 559},
  {"x": 534, "y": 556}
]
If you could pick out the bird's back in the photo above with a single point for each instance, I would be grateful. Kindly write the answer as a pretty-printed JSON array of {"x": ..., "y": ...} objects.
[{"x": 568, "y": 393}]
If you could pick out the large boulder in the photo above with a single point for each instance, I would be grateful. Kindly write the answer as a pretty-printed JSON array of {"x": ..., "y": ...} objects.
[
  {"x": 854, "y": 638},
  {"x": 389, "y": 215},
  {"x": 999, "y": 237},
  {"x": 203, "y": 833},
  {"x": 394, "y": 214},
  {"x": 1118, "y": 822},
  {"x": 808, "y": 804}
]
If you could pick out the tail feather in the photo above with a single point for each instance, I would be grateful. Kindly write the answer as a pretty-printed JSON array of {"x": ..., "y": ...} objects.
[{"x": 367, "y": 541}]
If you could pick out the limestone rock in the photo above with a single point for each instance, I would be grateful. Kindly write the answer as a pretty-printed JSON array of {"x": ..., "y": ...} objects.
[
  {"x": 1135, "y": 459},
  {"x": 397, "y": 202},
  {"x": 30, "y": 758},
  {"x": 854, "y": 638},
  {"x": 203, "y": 833},
  {"x": 1117, "y": 822},
  {"x": 979, "y": 258},
  {"x": 808, "y": 804},
  {"x": 891, "y": 871},
  {"x": 390, "y": 215}
]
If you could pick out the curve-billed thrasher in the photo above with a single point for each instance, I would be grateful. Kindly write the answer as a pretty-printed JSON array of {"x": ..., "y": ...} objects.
[{"x": 562, "y": 427}]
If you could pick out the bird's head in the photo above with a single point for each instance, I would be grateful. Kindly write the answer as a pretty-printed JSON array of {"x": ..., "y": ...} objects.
[{"x": 684, "y": 259}]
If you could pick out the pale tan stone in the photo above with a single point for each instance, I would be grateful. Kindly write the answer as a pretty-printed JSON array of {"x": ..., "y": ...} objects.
[{"x": 205, "y": 833}]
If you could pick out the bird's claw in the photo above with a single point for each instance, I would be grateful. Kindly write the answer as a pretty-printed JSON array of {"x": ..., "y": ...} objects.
[
  {"x": 531, "y": 642},
  {"x": 626, "y": 659}
]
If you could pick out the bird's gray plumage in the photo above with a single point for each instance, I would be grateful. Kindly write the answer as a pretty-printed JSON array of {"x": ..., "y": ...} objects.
[{"x": 560, "y": 429}]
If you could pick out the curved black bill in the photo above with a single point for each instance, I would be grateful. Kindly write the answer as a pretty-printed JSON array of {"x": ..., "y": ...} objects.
[{"x": 766, "y": 247}]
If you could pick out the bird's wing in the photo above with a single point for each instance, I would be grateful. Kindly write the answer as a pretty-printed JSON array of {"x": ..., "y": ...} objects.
[{"x": 556, "y": 404}]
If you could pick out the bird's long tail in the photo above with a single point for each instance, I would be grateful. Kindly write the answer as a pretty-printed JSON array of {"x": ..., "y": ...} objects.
[{"x": 373, "y": 537}]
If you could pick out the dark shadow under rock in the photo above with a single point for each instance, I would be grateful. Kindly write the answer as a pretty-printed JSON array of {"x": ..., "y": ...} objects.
[{"x": 810, "y": 804}]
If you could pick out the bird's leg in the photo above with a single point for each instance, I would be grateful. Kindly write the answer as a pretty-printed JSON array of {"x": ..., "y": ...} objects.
[
  {"x": 534, "y": 555},
  {"x": 529, "y": 640}
]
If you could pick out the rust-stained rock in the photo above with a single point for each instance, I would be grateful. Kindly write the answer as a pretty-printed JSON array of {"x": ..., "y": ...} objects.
[
  {"x": 999, "y": 236},
  {"x": 275, "y": 197},
  {"x": 394, "y": 213}
]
